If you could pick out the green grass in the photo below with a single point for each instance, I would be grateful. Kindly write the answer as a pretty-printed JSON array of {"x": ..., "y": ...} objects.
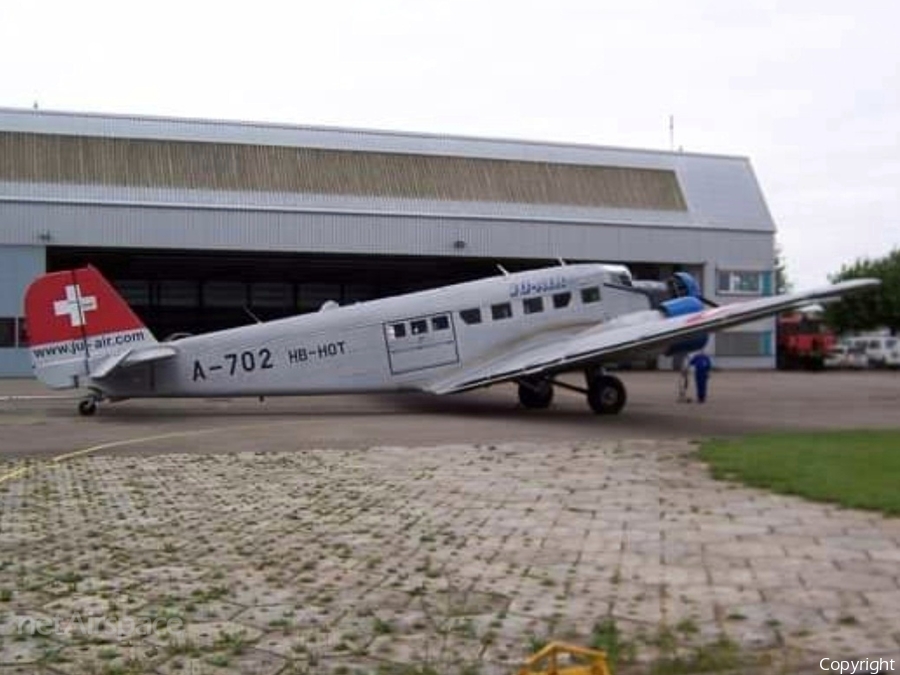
[{"x": 857, "y": 469}]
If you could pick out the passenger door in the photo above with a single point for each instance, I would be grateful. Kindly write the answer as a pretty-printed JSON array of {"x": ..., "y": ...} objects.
[{"x": 421, "y": 342}]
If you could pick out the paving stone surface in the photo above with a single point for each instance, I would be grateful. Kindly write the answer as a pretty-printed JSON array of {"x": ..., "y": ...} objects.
[{"x": 462, "y": 558}]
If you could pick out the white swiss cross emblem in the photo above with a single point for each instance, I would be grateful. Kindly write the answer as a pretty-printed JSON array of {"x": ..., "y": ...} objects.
[{"x": 75, "y": 305}]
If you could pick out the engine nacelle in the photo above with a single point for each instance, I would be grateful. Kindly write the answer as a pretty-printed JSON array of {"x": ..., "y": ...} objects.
[
  {"x": 683, "y": 285},
  {"x": 687, "y": 304}
]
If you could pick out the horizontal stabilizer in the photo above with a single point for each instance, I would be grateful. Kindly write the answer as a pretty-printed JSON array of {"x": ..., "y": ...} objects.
[{"x": 132, "y": 358}]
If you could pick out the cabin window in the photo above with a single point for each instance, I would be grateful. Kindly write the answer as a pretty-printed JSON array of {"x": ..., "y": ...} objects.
[
  {"x": 398, "y": 330},
  {"x": 533, "y": 305},
  {"x": 589, "y": 295},
  {"x": 501, "y": 311},
  {"x": 561, "y": 300},
  {"x": 418, "y": 327},
  {"x": 440, "y": 323},
  {"x": 471, "y": 316}
]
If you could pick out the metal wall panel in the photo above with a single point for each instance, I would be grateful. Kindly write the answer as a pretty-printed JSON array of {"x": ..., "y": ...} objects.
[
  {"x": 721, "y": 191},
  {"x": 19, "y": 265},
  {"x": 156, "y": 227}
]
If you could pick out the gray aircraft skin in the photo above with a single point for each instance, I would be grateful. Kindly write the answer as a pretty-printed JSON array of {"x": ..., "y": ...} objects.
[{"x": 525, "y": 327}]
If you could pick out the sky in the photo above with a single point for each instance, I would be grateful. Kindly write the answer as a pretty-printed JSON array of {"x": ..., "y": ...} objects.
[{"x": 808, "y": 90}]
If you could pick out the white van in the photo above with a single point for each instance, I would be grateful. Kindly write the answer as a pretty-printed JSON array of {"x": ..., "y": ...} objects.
[
  {"x": 881, "y": 351},
  {"x": 847, "y": 356}
]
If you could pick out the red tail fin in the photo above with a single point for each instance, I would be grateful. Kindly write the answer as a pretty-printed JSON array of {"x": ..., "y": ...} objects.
[{"x": 75, "y": 320}]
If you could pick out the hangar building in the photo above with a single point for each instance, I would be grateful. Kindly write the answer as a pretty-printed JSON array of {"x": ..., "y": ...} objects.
[{"x": 200, "y": 223}]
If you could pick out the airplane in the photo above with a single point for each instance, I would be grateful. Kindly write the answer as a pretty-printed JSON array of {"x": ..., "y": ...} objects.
[{"x": 525, "y": 327}]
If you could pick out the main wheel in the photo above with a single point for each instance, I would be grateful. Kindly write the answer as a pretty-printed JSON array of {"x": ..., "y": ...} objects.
[
  {"x": 536, "y": 394},
  {"x": 87, "y": 407},
  {"x": 606, "y": 395}
]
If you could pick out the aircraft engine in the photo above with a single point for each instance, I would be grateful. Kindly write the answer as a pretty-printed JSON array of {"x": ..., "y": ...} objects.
[
  {"x": 687, "y": 304},
  {"x": 680, "y": 285},
  {"x": 678, "y": 295}
]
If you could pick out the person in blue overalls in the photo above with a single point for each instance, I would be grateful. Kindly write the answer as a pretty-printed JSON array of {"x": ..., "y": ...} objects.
[{"x": 701, "y": 364}]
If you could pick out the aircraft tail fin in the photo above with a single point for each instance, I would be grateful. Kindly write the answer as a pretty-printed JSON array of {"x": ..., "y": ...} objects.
[{"x": 76, "y": 320}]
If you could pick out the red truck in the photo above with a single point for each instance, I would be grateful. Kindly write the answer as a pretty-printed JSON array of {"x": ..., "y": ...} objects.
[{"x": 803, "y": 341}]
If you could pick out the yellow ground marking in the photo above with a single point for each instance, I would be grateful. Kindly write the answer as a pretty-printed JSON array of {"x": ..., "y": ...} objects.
[
  {"x": 14, "y": 474},
  {"x": 55, "y": 461}
]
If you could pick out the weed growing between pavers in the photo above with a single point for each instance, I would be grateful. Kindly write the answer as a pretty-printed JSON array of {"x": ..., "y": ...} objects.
[{"x": 403, "y": 558}]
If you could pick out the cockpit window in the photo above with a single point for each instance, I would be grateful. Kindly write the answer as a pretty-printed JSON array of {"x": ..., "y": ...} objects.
[{"x": 591, "y": 294}]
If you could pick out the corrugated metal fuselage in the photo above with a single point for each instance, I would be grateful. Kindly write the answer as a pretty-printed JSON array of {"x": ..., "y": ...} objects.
[{"x": 398, "y": 343}]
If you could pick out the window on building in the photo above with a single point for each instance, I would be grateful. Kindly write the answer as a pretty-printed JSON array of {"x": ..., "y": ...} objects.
[
  {"x": 23, "y": 332},
  {"x": 533, "y": 305},
  {"x": 418, "y": 327},
  {"x": 471, "y": 316},
  {"x": 311, "y": 297},
  {"x": 398, "y": 330},
  {"x": 224, "y": 294},
  {"x": 590, "y": 294},
  {"x": 179, "y": 294},
  {"x": 739, "y": 283},
  {"x": 561, "y": 300},
  {"x": 440, "y": 322},
  {"x": 136, "y": 292},
  {"x": 502, "y": 310},
  {"x": 358, "y": 292},
  {"x": 7, "y": 331},
  {"x": 271, "y": 295},
  {"x": 741, "y": 343}
]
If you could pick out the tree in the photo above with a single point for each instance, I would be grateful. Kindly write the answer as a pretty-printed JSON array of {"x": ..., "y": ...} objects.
[
  {"x": 782, "y": 283},
  {"x": 878, "y": 308}
]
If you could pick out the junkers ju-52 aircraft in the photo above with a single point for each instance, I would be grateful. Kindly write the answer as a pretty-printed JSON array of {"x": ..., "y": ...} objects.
[{"x": 527, "y": 328}]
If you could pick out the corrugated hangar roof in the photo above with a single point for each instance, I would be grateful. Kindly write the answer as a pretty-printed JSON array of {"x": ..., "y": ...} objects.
[{"x": 73, "y": 157}]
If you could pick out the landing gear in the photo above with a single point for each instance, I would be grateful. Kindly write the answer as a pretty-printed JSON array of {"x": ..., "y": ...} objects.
[
  {"x": 535, "y": 394},
  {"x": 87, "y": 407},
  {"x": 605, "y": 394}
]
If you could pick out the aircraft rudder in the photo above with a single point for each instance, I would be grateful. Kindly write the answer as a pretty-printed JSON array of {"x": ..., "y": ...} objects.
[{"x": 75, "y": 319}]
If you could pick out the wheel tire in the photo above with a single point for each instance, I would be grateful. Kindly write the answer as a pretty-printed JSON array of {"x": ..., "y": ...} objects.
[
  {"x": 536, "y": 395},
  {"x": 87, "y": 407},
  {"x": 606, "y": 395}
]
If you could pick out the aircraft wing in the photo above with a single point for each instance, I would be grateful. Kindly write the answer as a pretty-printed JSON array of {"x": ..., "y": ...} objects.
[
  {"x": 647, "y": 331},
  {"x": 132, "y": 357}
]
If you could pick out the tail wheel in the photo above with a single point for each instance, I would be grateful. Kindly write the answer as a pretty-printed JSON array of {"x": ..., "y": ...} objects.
[
  {"x": 606, "y": 395},
  {"x": 536, "y": 394}
]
